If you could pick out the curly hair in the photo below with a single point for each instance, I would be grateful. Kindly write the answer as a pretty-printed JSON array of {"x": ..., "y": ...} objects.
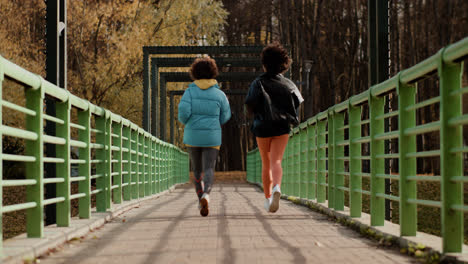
[
  {"x": 203, "y": 68},
  {"x": 275, "y": 58}
]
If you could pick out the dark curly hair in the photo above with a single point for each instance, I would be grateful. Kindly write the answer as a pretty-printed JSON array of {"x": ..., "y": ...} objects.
[
  {"x": 275, "y": 58},
  {"x": 203, "y": 68}
]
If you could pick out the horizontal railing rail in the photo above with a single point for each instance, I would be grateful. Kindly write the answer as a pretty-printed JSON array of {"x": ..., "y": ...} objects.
[
  {"x": 316, "y": 165},
  {"x": 106, "y": 155}
]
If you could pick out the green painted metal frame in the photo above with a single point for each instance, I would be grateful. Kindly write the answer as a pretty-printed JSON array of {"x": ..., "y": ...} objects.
[
  {"x": 129, "y": 162},
  {"x": 327, "y": 129},
  {"x": 157, "y": 62}
]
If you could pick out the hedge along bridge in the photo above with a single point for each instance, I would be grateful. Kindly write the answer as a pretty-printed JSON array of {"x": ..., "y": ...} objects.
[
  {"x": 125, "y": 161},
  {"x": 312, "y": 172}
]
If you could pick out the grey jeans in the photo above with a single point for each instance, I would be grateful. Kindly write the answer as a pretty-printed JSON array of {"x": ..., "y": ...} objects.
[{"x": 203, "y": 160}]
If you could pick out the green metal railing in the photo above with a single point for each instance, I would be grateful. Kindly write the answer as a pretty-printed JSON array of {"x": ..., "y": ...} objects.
[
  {"x": 117, "y": 160},
  {"x": 317, "y": 166}
]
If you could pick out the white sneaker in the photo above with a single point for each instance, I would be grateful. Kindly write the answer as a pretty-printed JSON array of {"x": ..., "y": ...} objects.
[
  {"x": 275, "y": 199},
  {"x": 267, "y": 204},
  {"x": 204, "y": 201}
]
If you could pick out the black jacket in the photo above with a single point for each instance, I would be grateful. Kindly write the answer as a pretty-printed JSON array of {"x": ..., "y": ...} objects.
[{"x": 284, "y": 96}]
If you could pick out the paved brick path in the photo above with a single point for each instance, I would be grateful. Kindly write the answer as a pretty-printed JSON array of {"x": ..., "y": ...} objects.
[{"x": 169, "y": 229}]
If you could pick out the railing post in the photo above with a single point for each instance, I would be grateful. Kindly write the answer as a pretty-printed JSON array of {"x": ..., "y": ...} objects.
[
  {"x": 287, "y": 174},
  {"x": 304, "y": 147},
  {"x": 84, "y": 186},
  {"x": 35, "y": 170},
  {"x": 108, "y": 164},
  {"x": 355, "y": 165},
  {"x": 63, "y": 169},
  {"x": 1, "y": 159},
  {"x": 148, "y": 179},
  {"x": 311, "y": 160},
  {"x": 84, "y": 169},
  {"x": 170, "y": 166},
  {"x": 101, "y": 165},
  {"x": 321, "y": 162},
  {"x": 141, "y": 163},
  {"x": 178, "y": 161},
  {"x": 135, "y": 169},
  {"x": 250, "y": 167},
  {"x": 158, "y": 166},
  {"x": 247, "y": 167},
  {"x": 126, "y": 166},
  {"x": 177, "y": 165},
  {"x": 377, "y": 204},
  {"x": 117, "y": 155},
  {"x": 407, "y": 165},
  {"x": 187, "y": 167},
  {"x": 296, "y": 162},
  {"x": 153, "y": 166},
  {"x": 338, "y": 154},
  {"x": 451, "y": 161},
  {"x": 331, "y": 159},
  {"x": 165, "y": 164}
]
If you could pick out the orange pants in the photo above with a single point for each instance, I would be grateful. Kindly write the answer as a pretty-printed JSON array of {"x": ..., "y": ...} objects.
[{"x": 271, "y": 151}]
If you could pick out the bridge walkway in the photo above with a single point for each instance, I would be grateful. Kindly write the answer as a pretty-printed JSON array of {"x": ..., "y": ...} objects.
[{"x": 169, "y": 229}]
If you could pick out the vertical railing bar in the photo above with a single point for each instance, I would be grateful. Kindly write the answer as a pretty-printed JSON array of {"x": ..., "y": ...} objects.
[
  {"x": 171, "y": 166},
  {"x": 289, "y": 166},
  {"x": 163, "y": 166},
  {"x": 63, "y": 169},
  {"x": 35, "y": 170},
  {"x": 127, "y": 178},
  {"x": 304, "y": 147},
  {"x": 331, "y": 159},
  {"x": 135, "y": 166},
  {"x": 338, "y": 165},
  {"x": 166, "y": 166},
  {"x": 148, "y": 165},
  {"x": 321, "y": 163},
  {"x": 101, "y": 167},
  {"x": 311, "y": 161},
  {"x": 1, "y": 159},
  {"x": 141, "y": 163},
  {"x": 407, "y": 165},
  {"x": 296, "y": 164},
  {"x": 117, "y": 155},
  {"x": 108, "y": 164},
  {"x": 355, "y": 165},
  {"x": 153, "y": 166},
  {"x": 377, "y": 206},
  {"x": 303, "y": 177},
  {"x": 450, "y": 163},
  {"x": 158, "y": 166},
  {"x": 84, "y": 203}
]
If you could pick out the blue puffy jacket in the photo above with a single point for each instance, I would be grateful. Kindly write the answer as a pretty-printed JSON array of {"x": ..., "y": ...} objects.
[{"x": 203, "y": 109}]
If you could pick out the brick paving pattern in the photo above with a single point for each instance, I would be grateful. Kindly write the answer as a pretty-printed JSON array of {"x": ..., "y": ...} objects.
[{"x": 170, "y": 229}]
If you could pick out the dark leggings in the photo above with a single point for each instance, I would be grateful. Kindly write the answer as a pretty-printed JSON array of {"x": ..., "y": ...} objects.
[{"x": 203, "y": 160}]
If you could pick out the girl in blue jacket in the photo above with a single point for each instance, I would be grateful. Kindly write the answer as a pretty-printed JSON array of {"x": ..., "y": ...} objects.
[{"x": 203, "y": 109}]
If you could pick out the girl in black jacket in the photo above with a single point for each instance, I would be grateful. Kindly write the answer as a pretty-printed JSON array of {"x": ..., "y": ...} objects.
[{"x": 273, "y": 99}]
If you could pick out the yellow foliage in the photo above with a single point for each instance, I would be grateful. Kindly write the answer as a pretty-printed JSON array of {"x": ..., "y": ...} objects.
[{"x": 105, "y": 40}]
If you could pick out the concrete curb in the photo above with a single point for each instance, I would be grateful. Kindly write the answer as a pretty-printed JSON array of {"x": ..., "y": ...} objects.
[
  {"x": 21, "y": 249},
  {"x": 422, "y": 246}
]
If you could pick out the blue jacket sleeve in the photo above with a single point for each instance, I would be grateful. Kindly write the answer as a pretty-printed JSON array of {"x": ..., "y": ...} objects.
[
  {"x": 225, "y": 110},
  {"x": 185, "y": 107}
]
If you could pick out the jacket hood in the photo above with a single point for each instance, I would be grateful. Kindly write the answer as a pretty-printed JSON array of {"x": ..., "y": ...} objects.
[{"x": 205, "y": 83}]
